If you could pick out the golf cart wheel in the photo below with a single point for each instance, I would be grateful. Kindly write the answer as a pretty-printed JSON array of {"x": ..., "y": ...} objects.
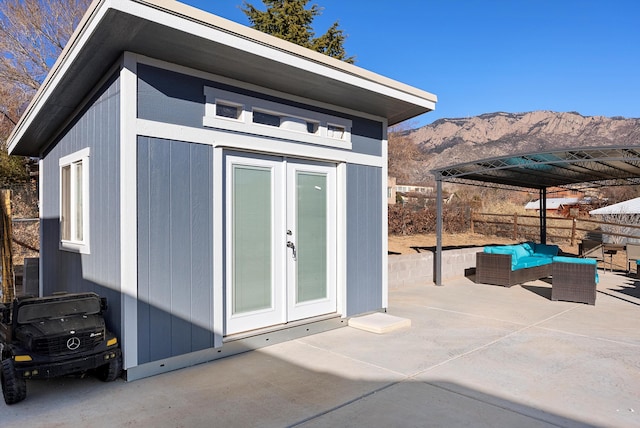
[{"x": 14, "y": 388}]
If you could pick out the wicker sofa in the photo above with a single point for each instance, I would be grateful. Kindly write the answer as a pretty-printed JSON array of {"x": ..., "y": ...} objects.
[
  {"x": 573, "y": 279},
  {"x": 508, "y": 265}
]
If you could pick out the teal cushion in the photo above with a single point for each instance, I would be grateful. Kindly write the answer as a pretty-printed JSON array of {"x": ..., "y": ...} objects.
[
  {"x": 502, "y": 250},
  {"x": 528, "y": 262},
  {"x": 547, "y": 250},
  {"x": 579, "y": 261}
]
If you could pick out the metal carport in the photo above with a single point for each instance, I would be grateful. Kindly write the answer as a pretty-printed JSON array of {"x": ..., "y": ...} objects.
[{"x": 576, "y": 169}]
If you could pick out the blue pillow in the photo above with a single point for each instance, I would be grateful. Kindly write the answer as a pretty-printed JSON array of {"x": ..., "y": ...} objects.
[
  {"x": 520, "y": 251},
  {"x": 530, "y": 247}
]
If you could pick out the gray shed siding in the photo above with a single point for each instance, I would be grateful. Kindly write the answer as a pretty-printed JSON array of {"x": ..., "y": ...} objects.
[
  {"x": 175, "y": 248},
  {"x": 171, "y": 97},
  {"x": 96, "y": 127},
  {"x": 364, "y": 239}
]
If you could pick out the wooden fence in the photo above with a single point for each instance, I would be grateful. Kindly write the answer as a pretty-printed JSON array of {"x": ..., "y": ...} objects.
[{"x": 559, "y": 229}]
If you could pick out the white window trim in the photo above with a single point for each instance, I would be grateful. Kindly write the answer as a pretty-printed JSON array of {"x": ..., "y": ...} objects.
[
  {"x": 245, "y": 123},
  {"x": 82, "y": 246}
]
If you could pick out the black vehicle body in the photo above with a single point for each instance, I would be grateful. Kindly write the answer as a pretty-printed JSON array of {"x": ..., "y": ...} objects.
[{"x": 55, "y": 336}]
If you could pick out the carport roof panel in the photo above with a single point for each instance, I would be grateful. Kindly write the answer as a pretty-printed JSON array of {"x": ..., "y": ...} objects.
[{"x": 590, "y": 167}]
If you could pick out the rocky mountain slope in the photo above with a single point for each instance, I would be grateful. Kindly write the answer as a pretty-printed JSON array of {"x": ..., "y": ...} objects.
[{"x": 453, "y": 141}]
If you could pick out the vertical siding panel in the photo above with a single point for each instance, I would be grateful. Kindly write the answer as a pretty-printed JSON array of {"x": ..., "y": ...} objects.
[
  {"x": 96, "y": 127},
  {"x": 175, "y": 220},
  {"x": 180, "y": 245},
  {"x": 160, "y": 248},
  {"x": 202, "y": 246},
  {"x": 144, "y": 315},
  {"x": 364, "y": 239}
]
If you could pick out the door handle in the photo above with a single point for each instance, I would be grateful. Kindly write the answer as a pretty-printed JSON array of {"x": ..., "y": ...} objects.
[{"x": 293, "y": 248}]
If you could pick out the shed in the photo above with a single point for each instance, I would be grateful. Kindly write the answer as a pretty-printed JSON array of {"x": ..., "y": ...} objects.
[
  {"x": 223, "y": 188},
  {"x": 555, "y": 206}
]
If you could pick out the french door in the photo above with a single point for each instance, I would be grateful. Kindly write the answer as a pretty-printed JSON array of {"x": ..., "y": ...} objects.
[{"x": 280, "y": 241}]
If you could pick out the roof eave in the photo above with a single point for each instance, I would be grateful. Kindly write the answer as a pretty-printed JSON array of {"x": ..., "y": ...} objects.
[{"x": 180, "y": 23}]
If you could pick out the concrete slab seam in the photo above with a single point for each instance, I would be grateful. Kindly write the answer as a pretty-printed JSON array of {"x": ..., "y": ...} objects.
[
  {"x": 301, "y": 341},
  {"x": 486, "y": 345},
  {"x": 467, "y": 314},
  {"x": 602, "y": 339}
]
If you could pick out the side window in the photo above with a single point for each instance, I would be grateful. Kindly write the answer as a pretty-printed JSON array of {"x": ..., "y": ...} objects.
[{"x": 74, "y": 202}]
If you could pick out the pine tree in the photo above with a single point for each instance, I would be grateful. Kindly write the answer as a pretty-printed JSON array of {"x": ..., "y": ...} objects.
[{"x": 292, "y": 21}]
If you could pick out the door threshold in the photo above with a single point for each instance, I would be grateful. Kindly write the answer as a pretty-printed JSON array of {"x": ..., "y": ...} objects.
[{"x": 280, "y": 327}]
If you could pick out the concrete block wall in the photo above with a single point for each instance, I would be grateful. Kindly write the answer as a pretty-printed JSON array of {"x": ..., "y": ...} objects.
[
  {"x": 455, "y": 262},
  {"x": 416, "y": 269},
  {"x": 410, "y": 269}
]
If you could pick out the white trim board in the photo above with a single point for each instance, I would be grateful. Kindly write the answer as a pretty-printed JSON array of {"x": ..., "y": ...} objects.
[
  {"x": 258, "y": 144},
  {"x": 128, "y": 210}
]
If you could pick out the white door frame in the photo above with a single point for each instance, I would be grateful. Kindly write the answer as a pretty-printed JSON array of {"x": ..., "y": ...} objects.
[
  {"x": 284, "y": 307},
  {"x": 275, "y": 313},
  {"x": 300, "y": 310}
]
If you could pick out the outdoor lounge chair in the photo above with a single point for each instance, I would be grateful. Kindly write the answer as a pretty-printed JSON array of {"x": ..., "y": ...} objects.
[
  {"x": 591, "y": 248},
  {"x": 633, "y": 255}
]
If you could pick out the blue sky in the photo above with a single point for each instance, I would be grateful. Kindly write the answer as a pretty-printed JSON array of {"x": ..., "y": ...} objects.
[{"x": 493, "y": 55}]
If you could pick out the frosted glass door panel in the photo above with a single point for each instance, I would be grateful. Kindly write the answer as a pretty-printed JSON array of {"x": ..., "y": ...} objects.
[
  {"x": 312, "y": 236},
  {"x": 255, "y": 243},
  {"x": 252, "y": 239},
  {"x": 311, "y": 219}
]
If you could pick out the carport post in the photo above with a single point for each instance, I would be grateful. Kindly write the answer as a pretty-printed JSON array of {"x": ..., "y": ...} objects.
[
  {"x": 438, "y": 259},
  {"x": 543, "y": 215}
]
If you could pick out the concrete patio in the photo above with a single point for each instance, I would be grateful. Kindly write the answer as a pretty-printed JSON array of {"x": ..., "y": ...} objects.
[{"x": 475, "y": 355}]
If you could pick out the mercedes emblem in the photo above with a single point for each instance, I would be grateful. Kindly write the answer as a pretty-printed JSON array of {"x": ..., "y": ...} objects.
[{"x": 73, "y": 343}]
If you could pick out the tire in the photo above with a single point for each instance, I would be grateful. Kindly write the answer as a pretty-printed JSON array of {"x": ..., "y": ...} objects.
[
  {"x": 110, "y": 371},
  {"x": 14, "y": 388}
]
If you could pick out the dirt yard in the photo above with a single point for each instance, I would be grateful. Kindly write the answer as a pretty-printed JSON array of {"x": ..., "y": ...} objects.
[{"x": 404, "y": 244}]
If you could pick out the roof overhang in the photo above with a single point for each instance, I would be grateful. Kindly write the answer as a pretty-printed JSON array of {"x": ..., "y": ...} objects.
[
  {"x": 180, "y": 34},
  {"x": 572, "y": 168}
]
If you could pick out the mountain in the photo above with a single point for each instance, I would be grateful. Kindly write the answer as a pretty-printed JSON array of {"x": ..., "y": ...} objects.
[{"x": 453, "y": 141}]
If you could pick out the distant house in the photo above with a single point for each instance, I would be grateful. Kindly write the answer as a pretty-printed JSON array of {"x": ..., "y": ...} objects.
[
  {"x": 414, "y": 194},
  {"x": 405, "y": 188},
  {"x": 213, "y": 182},
  {"x": 561, "y": 207}
]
